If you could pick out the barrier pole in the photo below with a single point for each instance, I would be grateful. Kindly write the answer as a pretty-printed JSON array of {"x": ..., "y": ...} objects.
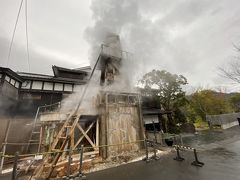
[
  {"x": 155, "y": 152},
  {"x": 181, "y": 140},
  {"x": 146, "y": 148},
  {"x": 81, "y": 175},
  {"x": 196, "y": 162},
  {"x": 14, "y": 172},
  {"x": 178, "y": 157},
  {"x": 154, "y": 131}
]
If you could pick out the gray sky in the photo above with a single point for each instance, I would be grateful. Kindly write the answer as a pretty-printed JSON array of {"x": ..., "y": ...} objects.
[{"x": 188, "y": 37}]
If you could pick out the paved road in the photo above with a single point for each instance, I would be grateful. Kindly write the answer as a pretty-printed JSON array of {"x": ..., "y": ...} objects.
[
  {"x": 221, "y": 157},
  {"x": 224, "y": 165}
]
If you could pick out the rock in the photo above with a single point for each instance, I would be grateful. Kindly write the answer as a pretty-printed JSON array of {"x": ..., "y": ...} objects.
[
  {"x": 97, "y": 160},
  {"x": 86, "y": 165},
  {"x": 187, "y": 128}
]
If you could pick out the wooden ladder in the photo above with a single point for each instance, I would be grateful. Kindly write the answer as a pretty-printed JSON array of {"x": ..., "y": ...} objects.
[
  {"x": 35, "y": 137},
  {"x": 36, "y": 133},
  {"x": 62, "y": 139}
]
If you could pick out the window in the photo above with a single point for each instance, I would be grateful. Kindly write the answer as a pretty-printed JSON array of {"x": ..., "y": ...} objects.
[
  {"x": 17, "y": 84},
  {"x": 37, "y": 85},
  {"x": 132, "y": 99},
  {"x": 12, "y": 82},
  {"x": 26, "y": 85},
  {"x": 111, "y": 98},
  {"x": 48, "y": 86},
  {"x": 122, "y": 99},
  {"x": 77, "y": 88},
  {"x": 7, "y": 78},
  {"x": 67, "y": 87},
  {"x": 58, "y": 87}
]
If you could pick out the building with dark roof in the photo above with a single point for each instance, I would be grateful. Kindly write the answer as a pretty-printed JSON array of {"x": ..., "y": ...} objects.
[{"x": 22, "y": 93}]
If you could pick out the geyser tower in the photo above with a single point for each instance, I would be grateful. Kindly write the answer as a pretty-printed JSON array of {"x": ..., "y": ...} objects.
[{"x": 111, "y": 56}]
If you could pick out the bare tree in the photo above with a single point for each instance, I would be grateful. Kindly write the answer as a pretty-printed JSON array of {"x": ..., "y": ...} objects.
[{"x": 232, "y": 70}]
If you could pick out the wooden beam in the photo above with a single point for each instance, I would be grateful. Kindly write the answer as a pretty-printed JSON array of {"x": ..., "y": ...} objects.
[
  {"x": 40, "y": 139},
  {"x": 80, "y": 139},
  {"x": 85, "y": 135},
  {"x": 72, "y": 139},
  {"x": 97, "y": 132}
]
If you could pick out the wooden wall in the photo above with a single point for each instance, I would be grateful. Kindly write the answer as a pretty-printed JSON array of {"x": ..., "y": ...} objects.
[{"x": 121, "y": 122}]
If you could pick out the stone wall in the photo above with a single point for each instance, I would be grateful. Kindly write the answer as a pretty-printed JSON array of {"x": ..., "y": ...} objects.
[{"x": 224, "y": 120}]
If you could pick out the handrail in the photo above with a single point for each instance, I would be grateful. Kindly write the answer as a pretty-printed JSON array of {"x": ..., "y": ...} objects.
[
  {"x": 123, "y": 54},
  {"x": 48, "y": 105},
  {"x": 44, "y": 107}
]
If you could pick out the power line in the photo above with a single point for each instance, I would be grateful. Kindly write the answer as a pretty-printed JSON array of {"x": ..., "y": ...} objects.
[
  {"x": 26, "y": 28},
  {"x": 14, "y": 31}
]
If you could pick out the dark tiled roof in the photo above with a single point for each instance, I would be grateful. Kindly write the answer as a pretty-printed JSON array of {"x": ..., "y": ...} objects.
[
  {"x": 76, "y": 71},
  {"x": 152, "y": 111},
  {"x": 11, "y": 73}
]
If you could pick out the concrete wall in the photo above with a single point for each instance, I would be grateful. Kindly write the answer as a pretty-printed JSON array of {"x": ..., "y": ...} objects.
[
  {"x": 224, "y": 120},
  {"x": 53, "y": 116},
  {"x": 229, "y": 125}
]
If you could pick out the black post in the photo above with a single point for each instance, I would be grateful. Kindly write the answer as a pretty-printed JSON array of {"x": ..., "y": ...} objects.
[
  {"x": 14, "y": 173},
  {"x": 155, "y": 142},
  {"x": 175, "y": 140},
  {"x": 146, "y": 148},
  {"x": 154, "y": 131},
  {"x": 196, "y": 162},
  {"x": 155, "y": 152},
  {"x": 178, "y": 157},
  {"x": 81, "y": 175}
]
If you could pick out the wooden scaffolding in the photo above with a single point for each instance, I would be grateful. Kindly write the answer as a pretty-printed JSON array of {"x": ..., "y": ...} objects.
[{"x": 70, "y": 134}]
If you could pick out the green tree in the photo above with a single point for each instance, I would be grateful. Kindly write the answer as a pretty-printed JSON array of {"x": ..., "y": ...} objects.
[
  {"x": 167, "y": 88},
  {"x": 235, "y": 102},
  {"x": 209, "y": 102}
]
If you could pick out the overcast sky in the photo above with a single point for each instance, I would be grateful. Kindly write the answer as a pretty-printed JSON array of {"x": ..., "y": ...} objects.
[{"x": 188, "y": 37}]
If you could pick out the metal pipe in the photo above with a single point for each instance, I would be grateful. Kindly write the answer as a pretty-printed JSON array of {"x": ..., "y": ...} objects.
[
  {"x": 4, "y": 146},
  {"x": 86, "y": 87}
]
